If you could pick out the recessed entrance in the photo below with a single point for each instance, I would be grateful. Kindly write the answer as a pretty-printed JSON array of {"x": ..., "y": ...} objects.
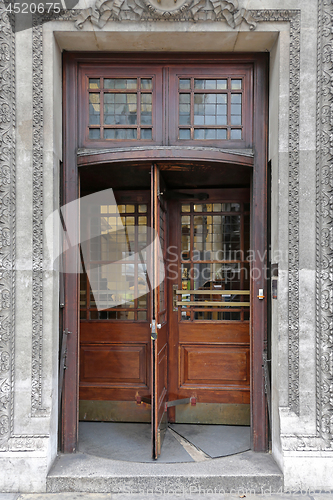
[
  {"x": 166, "y": 338},
  {"x": 186, "y": 348}
]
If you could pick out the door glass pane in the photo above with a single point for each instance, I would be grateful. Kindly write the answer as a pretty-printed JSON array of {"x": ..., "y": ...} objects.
[
  {"x": 213, "y": 262},
  {"x": 116, "y": 271}
]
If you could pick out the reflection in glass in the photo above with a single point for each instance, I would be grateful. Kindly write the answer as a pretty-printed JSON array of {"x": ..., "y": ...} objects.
[
  {"x": 120, "y": 133},
  {"x": 236, "y": 109},
  {"x": 236, "y": 84},
  {"x": 210, "y": 109},
  {"x": 185, "y": 133},
  {"x": 94, "y": 83},
  {"x": 112, "y": 240},
  {"x": 213, "y": 262},
  {"x": 94, "y": 133},
  {"x": 146, "y": 133},
  {"x": 146, "y": 109},
  {"x": 210, "y": 134},
  {"x": 120, "y": 109},
  {"x": 146, "y": 83},
  {"x": 120, "y": 83},
  {"x": 184, "y": 109},
  {"x": 210, "y": 84},
  {"x": 94, "y": 109},
  {"x": 235, "y": 133}
]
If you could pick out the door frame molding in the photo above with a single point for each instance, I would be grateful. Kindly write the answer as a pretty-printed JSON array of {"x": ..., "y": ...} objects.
[{"x": 73, "y": 158}]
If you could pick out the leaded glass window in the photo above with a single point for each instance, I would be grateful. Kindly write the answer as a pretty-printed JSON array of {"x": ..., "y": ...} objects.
[{"x": 120, "y": 109}]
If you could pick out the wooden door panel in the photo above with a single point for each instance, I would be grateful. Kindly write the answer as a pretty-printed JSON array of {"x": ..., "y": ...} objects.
[
  {"x": 162, "y": 360},
  {"x": 115, "y": 353},
  {"x": 100, "y": 392},
  {"x": 105, "y": 332},
  {"x": 214, "y": 333},
  {"x": 229, "y": 395},
  {"x": 114, "y": 364},
  {"x": 209, "y": 358},
  {"x": 214, "y": 367}
]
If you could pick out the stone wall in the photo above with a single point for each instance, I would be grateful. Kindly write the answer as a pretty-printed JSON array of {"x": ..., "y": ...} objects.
[{"x": 299, "y": 38}]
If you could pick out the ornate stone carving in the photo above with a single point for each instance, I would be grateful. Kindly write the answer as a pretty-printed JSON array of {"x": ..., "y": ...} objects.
[
  {"x": 154, "y": 10},
  {"x": 293, "y": 17},
  {"x": 324, "y": 276},
  {"x": 293, "y": 222},
  {"x": 324, "y": 204},
  {"x": 37, "y": 218},
  {"x": 7, "y": 224}
]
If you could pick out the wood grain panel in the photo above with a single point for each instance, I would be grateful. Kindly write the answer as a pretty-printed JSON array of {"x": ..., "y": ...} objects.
[
  {"x": 210, "y": 332},
  {"x": 214, "y": 366},
  {"x": 208, "y": 393},
  {"x": 99, "y": 392},
  {"x": 108, "y": 331},
  {"x": 113, "y": 364}
]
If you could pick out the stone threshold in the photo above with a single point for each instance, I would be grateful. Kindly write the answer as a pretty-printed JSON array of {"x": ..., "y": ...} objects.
[{"x": 244, "y": 472}]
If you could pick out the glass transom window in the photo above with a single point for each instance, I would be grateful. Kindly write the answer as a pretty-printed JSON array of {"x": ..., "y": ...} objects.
[
  {"x": 166, "y": 105},
  {"x": 210, "y": 109},
  {"x": 120, "y": 109}
]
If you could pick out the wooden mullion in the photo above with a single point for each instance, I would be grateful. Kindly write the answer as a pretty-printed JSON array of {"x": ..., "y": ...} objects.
[
  {"x": 192, "y": 109},
  {"x": 138, "y": 113},
  {"x": 111, "y": 127},
  {"x": 136, "y": 262}
]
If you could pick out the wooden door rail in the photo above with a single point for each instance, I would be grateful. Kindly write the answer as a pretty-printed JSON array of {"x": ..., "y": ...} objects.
[
  {"x": 216, "y": 303},
  {"x": 213, "y": 292}
]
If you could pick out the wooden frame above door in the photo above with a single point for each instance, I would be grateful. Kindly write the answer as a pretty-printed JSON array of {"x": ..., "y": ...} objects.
[{"x": 71, "y": 143}]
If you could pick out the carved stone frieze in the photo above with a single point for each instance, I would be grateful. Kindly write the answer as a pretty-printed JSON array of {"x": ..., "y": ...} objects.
[
  {"x": 172, "y": 10},
  {"x": 324, "y": 240},
  {"x": 7, "y": 224},
  {"x": 293, "y": 17},
  {"x": 37, "y": 218}
]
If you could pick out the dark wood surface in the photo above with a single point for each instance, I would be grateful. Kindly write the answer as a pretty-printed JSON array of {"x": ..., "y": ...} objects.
[
  {"x": 209, "y": 360},
  {"x": 70, "y": 396},
  {"x": 159, "y": 346},
  {"x": 258, "y": 324},
  {"x": 259, "y": 244}
]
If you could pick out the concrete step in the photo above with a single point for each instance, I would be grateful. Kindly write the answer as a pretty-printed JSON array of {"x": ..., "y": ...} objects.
[{"x": 243, "y": 473}]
